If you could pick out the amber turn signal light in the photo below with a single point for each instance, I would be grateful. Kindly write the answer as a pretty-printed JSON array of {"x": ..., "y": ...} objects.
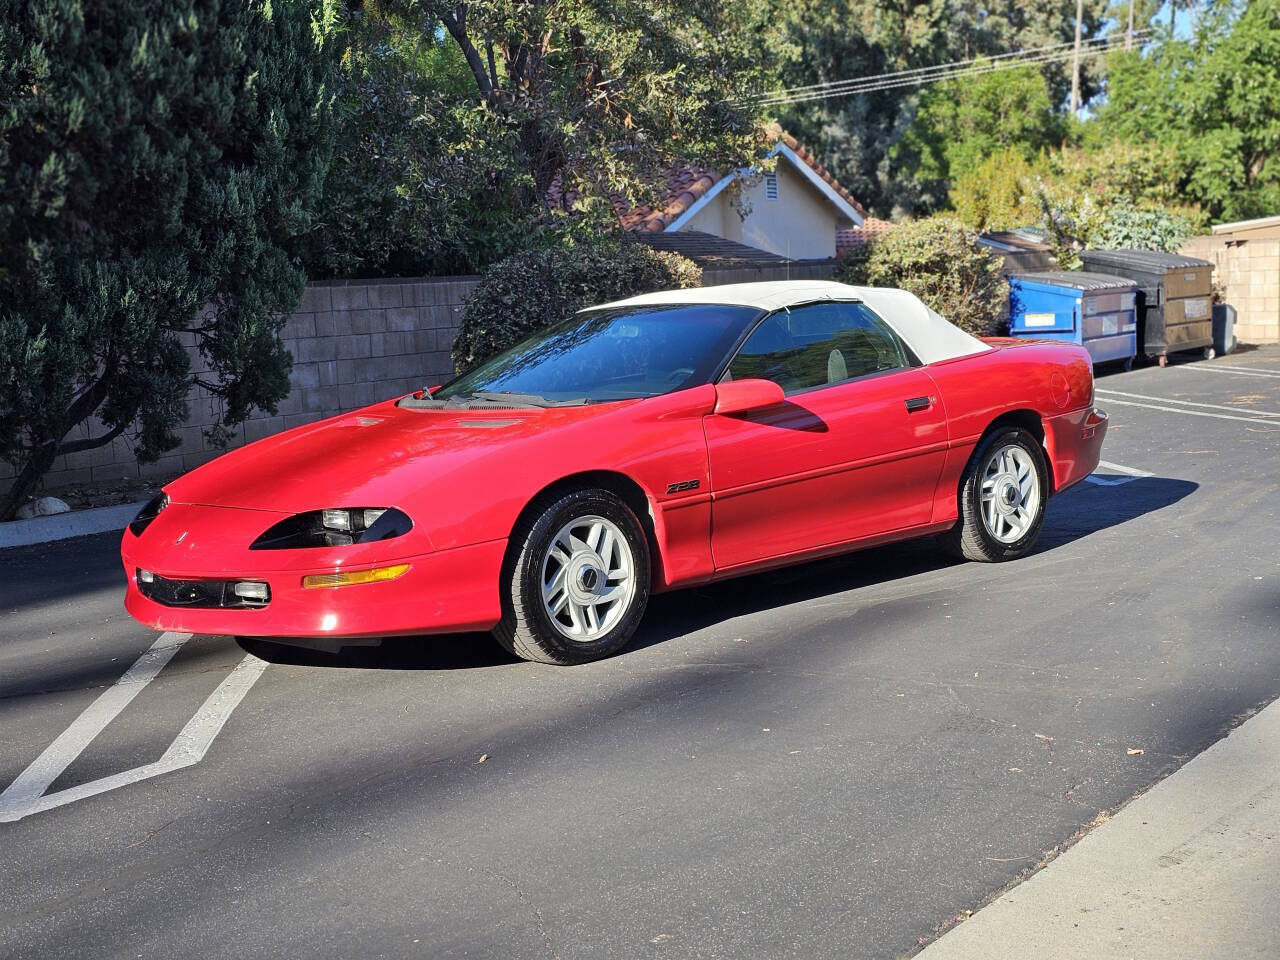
[{"x": 353, "y": 577}]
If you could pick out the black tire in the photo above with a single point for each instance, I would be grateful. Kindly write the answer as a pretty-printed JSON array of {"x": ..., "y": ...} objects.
[
  {"x": 970, "y": 539},
  {"x": 526, "y": 628}
]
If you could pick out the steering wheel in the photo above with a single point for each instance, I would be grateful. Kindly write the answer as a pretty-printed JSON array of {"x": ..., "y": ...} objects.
[{"x": 680, "y": 375}]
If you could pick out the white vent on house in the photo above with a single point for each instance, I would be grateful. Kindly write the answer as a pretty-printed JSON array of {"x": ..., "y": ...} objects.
[{"x": 771, "y": 186}]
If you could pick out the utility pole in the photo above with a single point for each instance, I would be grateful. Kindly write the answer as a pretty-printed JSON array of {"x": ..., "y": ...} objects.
[
  {"x": 1128, "y": 37},
  {"x": 1075, "y": 61}
]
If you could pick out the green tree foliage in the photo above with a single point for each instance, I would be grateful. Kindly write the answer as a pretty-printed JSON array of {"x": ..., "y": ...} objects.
[
  {"x": 1215, "y": 101},
  {"x": 960, "y": 123},
  {"x": 155, "y": 158},
  {"x": 525, "y": 292},
  {"x": 826, "y": 41},
  {"x": 599, "y": 98},
  {"x": 821, "y": 42},
  {"x": 1112, "y": 194},
  {"x": 997, "y": 194},
  {"x": 421, "y": 182},
  {"x": 939, "y": 260}
]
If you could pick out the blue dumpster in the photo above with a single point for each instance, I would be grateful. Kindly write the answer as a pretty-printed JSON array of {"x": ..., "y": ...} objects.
[{"x": 1093, "y": 309}]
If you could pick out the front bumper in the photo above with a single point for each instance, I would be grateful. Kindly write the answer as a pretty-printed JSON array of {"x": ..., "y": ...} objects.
[{"x": 442, "y": 592}]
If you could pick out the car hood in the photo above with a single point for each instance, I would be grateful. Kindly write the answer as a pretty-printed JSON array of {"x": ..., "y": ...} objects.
[{"x": 374, "y": 457}]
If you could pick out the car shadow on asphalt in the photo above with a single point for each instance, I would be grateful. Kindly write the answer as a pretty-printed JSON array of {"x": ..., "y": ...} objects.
[{"x": 1083, "y": 511}]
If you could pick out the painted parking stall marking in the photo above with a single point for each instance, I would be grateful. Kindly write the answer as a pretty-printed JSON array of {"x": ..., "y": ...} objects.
[
  {"x": 1127, "y": 474},
  {"x": 26, "y": 795},
  {"x": 1191, "y": 403},
  {"x": 1188, "y": 408},
  {"x": 1229, "y": 371}
]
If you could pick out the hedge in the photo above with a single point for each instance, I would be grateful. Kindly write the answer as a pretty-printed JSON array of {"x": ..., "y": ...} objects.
[
  {"x": 939, "y": 260},
  {"x": 528, "y": 291}
]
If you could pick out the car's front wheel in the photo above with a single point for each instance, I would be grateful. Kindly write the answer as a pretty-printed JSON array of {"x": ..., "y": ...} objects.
[
  {"x": 1002, "y": 498},
  {"x": 577, "y": 582}
]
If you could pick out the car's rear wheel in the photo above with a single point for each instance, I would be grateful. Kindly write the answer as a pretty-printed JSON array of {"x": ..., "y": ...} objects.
[
  {"x": 577, "y": 580},
  {"x": 1002, "y": 498}
]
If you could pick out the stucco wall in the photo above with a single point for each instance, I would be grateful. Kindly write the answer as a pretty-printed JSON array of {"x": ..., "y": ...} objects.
[
  {"x": 719, "y": 217},
  {"x": 1249, "y": 272},
  {"x": 799, "y": 225}
]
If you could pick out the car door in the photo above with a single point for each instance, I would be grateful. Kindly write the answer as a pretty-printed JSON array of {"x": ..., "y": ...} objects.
[{"x": 854, "y": 451}]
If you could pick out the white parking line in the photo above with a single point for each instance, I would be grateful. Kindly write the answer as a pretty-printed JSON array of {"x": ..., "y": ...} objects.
[
  {"x": 47, "y": 767},
  {"x": 26, "y": 795},
  {"x": 1229, "y": 371},
  {"x": 1248, "y": 369},
  {"x": 1130, "y": 474},
  {"x": 1188, "y": 403},
  {"x": 1190, "y": 413}
]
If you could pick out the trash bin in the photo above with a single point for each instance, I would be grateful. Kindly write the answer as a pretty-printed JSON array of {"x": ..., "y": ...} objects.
[
  {"x": 1175, "y": 298},
  {"x": 1224, "y": 328},
  {"x": 1093, "y": 309}
]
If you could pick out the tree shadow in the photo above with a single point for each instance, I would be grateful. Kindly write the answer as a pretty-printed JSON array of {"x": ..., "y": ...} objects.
[{"x": 1083, "y": 511}]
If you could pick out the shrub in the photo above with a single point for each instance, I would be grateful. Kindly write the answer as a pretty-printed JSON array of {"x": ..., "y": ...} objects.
[
  {"x": 155, "y": 159},
  {"x": 1128, "y": 226},
  {"x": 528, "y": 291},
  {"x": 939, "y": 260},
  {"x": 1071, "y": 219},
  {"x": 1076, "y": 222}
]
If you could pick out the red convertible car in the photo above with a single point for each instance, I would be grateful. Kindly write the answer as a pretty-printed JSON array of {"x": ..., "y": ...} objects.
[{"x": 658, "y": 442}]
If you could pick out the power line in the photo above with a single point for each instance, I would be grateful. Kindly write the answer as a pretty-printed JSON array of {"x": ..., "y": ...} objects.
[
  {"x": 968, "y": 68},
  {"x": 963, "y": 68},
  {"x": 927, "y": 74},
  {"x": 915, "y": 70}
]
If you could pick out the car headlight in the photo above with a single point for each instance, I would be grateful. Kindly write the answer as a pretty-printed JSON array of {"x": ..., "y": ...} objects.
[
  {"x": 337, "y": 527},
  {"x": 148, "y": 513}
]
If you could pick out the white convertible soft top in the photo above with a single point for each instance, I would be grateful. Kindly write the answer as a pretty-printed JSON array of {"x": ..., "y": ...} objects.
[{"x": 929, "y": 335}]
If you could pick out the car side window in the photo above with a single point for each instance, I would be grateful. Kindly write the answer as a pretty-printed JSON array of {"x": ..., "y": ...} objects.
[{"x": 818, "y": 345}]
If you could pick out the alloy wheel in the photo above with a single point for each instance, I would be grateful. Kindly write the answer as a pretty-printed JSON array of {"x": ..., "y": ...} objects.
[
  {"x": 1010, "y": 494},
  {"x": 588, "y": 578}
]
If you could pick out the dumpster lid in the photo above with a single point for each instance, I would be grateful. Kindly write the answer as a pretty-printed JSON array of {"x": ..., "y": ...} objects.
[
  {"x": 1077, "y": 279},
  {"x": 1152, "y": 261}
]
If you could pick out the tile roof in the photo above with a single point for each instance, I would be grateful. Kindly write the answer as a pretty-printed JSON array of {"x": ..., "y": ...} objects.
[
  {"x": 683, "y": 184},
  {"x": 804, "y": 154},
  {"x": 871, "y": 228}
]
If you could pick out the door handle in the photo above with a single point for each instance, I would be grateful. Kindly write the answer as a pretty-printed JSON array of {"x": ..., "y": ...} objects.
[{"x": 919, "y": 403}]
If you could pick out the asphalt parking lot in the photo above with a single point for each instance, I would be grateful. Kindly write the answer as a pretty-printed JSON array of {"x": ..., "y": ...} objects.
[{"x": 834, "y": 760}]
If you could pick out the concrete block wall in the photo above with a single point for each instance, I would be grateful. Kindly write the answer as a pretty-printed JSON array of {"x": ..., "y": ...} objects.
[
  {"x": 1249, "y": 272},
  {"x": 805, "y": 270},
  {"x": 353, "y": 343}
]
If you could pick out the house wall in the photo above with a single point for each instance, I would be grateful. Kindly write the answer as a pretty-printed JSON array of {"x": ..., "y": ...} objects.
[
  {"x": 353, "y": 343},
  {"x": 799, "y": 225},
  {"x": 1249, "y": 272},
  {"x": 718, "y": 217}
]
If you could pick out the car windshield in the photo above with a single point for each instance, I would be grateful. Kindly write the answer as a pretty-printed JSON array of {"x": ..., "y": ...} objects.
[{"x": 615, "y": 354}]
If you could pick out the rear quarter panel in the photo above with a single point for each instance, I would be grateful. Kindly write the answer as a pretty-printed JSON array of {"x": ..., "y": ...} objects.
[{"x": 1051, "y": 379}]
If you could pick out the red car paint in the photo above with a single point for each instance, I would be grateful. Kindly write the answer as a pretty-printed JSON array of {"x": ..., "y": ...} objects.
[{"x": 826, "y": 471}]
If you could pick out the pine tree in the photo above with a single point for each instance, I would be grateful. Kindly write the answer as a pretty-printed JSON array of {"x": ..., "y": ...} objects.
[{"x": 158, "y": 158}]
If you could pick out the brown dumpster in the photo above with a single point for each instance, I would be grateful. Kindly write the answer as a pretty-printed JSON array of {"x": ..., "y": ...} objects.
[{"x": 1175, "y": 298}]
